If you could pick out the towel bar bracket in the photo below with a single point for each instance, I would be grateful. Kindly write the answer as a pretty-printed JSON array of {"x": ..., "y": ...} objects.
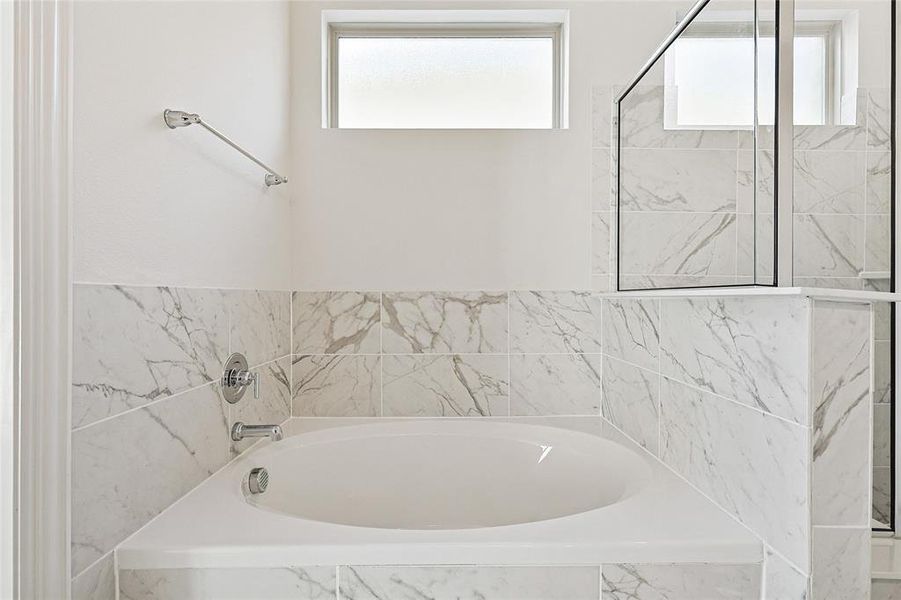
[{"x": 179, "y": 118}]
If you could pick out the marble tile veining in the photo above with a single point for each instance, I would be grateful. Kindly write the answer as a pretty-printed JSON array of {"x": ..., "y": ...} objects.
[
  {"x": 879, "y": 183},
  {"x": 134, "y": 345},
  {"x": 841, "y": 563},
  {"x": 600, "y": 242},
  {"x": 841, "y": 413},
  {"x": 128, "y": 469},
  {"x": 286, "y": 583},
  {"x": 96, "y": 583},
  {"x": 444, "y": 322},
  {"x": 673, "y": 179},
  {"x": 727, "y": 450},
  {"x": 632, "y": 331},
  {"x": 878, "y": 253},
  {"x": 685, "y": 243},
  {"x": 631, "y": 398},
  {"x": 680, "y": 582},
  {"x": 336, "y": 322},
  {"x": 601, "y": 109},
  {"x": 469, "y": 583},
  {"x": 445, "y": 385},
  {"x": 828, "y": 245},
  {"x": 602, "y": 197},
  {"x": 752, "y": 350},
  {"x": 555, "y": 322},
  {"x": 783, "y": 581},
  {"x": 555, "y": 384},
  {"x": 879, "y": 119},
  {"x": 260, "y": 324},
  {"x": 336, "y": 385},
  {"x": 829, "y": 182}
]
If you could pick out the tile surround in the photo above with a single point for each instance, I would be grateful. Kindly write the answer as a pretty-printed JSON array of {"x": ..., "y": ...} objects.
[
  {"x": 148, "y": 420},
  {"x": 289, "y": 583},
  {"x": 446, "y": 385},
  {"x": 468, "y": 583},
  {"x": 444, "y": 322},
  {"x": 680, "y": 582}
]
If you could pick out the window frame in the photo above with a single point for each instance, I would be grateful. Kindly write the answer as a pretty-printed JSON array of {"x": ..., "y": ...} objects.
[
  {"x": 552, "y": 30},
  {"x": 829, "y": 30}
]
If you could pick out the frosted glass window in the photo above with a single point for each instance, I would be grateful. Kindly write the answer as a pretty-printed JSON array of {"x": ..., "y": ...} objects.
[
  {"x": 445, "y": 83},
  {"x": 710, "y": 83}
]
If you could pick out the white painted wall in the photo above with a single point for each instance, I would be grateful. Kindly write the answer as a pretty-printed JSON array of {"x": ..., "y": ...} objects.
[
  {"x": 456, "y": 209},
  {"x": 154, "y": 206}
]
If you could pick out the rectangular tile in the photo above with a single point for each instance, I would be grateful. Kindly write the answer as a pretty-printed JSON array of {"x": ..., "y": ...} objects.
[
  {"x": 272, "y": 407},
  {"x": 878, "y": 254},
  {"x": 783, "y": 581},
  {"x": 601, "y": 191},
  {"x": 882, "y": 495},
  {"x": 445, "y": 386},
  {"x": 469, "y": 583},
  {"x": 600, "y": 242},
  {"x": 882, "y": 434},
  {"x": 336, "y": 322},
  {"x": 287, "y": 583},
  {"x": 886, "y": 589},
  {"x": 828, "y": 245},
  {"x": 631, "y": 400},
  {"x": 829, "y": 182},
  {"x": 336, "y": 385},
  {"x": 879, "y": 183},
  {"x": 259, "y": 324},
  {"x": 673, "y": 179},
  {"x": 699, "y": 244},
  {"x": 555, "y": 384},
  {"x": 752, "y": 350},
  {"x": 841, "y": 406},
  {"x": 879, "y": 119},
  {"x": 680, "y": 582},
  {"x": 127, "y": 469},
  {"x": 752, "y": 464},
  {"x": 97, "y": 582},
  {"x": 841, "y": 563},
  {"x": 134, "y": 345},
  {"x": 444, "y": 322},
  {"x": 555, "y": 322},
  {"x": 755, "y": 183},
  {"x": 601, "y": 116},
  {"x": 632, "y": 331}
]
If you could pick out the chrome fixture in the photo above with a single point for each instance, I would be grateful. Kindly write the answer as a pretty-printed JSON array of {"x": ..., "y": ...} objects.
[
  {"x": 240, "y": 431},
  {"x": 180, "y": 118},
  {"x": 237, "y": 377},
  {"x": 257, "y": 480}
]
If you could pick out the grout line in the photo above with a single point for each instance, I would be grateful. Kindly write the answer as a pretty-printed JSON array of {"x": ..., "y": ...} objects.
[
  {"x": 104, "y": 556},
  {"x": 170, "y": 397}
]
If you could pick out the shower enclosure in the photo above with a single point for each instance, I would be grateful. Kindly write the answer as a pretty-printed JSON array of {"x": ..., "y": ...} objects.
[{"x": 754, "y": 149}]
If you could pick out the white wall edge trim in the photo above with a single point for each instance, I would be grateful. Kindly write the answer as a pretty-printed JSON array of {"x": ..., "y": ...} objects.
[{"x": 43, "y": 292}]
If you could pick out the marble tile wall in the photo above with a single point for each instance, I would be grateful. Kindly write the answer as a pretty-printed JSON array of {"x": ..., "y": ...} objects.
[
  {"x": 608, "y": 582},
  {"x": 446, "y": 354},
  {"x": 763, "y": 404},
  {"x": 148, "y": 421},
  {"x": 689, "y": 214}
]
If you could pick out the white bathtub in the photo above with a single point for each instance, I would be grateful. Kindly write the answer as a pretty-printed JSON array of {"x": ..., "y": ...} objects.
[
  {"x": 442, "y": 491},
  {"x": 446, "y": 475}
]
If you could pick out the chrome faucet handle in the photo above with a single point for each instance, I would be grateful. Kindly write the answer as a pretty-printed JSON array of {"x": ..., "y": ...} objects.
[
  {"x": 236, "y": 377},
  {"x": 241, "y": 431}
]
